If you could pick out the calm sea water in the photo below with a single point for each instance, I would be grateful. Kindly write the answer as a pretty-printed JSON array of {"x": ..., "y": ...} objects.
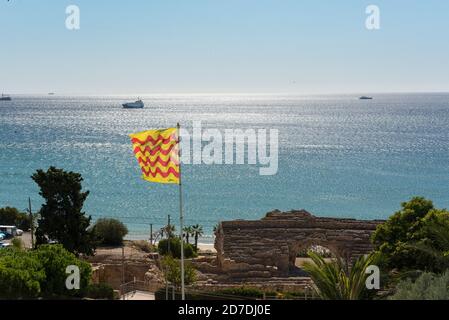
[{"x": 339, "y": 156}]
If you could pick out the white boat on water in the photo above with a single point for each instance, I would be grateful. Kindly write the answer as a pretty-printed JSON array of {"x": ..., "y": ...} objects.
[
  {"x": 134, "y": 105},
  {"x": 5, "y": 98}
]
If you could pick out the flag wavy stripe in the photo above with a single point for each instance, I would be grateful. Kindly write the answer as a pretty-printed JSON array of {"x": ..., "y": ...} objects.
[
  {"x": 163, "y": 168},
  {"x": 163, "y": 144},
  {"x": 150, "y": 141},
  {"x": 147, "y": 157},
  {"x": 160, "y": 157},
  {"x": 154, "y": 136},
  {"x": 157, "y": 146},
  {"x": 159, "y": 172},
  {"x": 154, "y": 151},
  {"x": 159, "y": 160}
]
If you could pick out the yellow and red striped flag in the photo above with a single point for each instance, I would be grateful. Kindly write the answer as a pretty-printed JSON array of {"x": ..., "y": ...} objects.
[{"x": 157, "y": 152}]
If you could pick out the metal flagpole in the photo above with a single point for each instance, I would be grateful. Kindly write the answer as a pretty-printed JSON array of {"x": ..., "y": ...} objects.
[
  {"x": 168, "y": 232},
  {"x": 181, "y": 217}
]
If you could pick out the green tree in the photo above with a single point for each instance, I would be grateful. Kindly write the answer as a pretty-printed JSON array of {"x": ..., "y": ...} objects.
[
  {"x": 168, "y": 230},
  {"x": 110, "y": 231},
  {"x": 54, "y": 260},
  {"x": 61, "y": 216},
  {"x": 40, "y": 273},
  {"x": 407, "y": 240},
  {"x": 172, "y": 271},
  {"x": 334, "y": 280},
  {"x": 197, "y": 231},
  {"x": 13, "y": 217},
  {"x": 188, "y": 231},
  {"x": 21, "y": 275},
  {"x": 433, "y": 238}
]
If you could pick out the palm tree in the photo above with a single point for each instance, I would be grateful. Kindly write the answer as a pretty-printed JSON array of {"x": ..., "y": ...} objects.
[
  {"x": 188, "y": 231},
  {"x": 169, "y": 230},
  {"x": 197, "y": 232},
  {"x": 335, "y": 281}
]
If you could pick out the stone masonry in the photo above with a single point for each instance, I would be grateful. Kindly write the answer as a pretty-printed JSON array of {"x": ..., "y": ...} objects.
[{"x": 268, "y": 247}]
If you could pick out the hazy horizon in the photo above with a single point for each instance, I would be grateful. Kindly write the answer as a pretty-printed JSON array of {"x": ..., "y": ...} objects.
[{"x": 81, "y": 94}]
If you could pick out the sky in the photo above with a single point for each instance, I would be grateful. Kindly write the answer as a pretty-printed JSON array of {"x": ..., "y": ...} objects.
[{"x": 229, "y": 46}]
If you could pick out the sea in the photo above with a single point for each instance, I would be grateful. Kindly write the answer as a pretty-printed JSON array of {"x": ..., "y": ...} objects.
[{"x": 338, "y": 156}]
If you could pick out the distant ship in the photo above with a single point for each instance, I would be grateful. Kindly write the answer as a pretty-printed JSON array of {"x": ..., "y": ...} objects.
[
  {"x": 366, "y": 98},
  {"x": 134, "y": 105},
  {"x": 5, "y": 98},
  {"x": 51, "y": 93}
]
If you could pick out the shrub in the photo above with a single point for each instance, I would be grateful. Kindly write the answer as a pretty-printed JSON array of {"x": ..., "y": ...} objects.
[
  {"x": 189, "y": 251},
  {"x": 17, "y": 243},
  {"x": 101, "y": 291},
  {"x": 12, "y": 216},
  {"x": 144, "y": 246},
  {"x": 428, "y": 286},
  {"x": 172, "y": 270},
  {"x": 110, "y": 232},
  {"x": 55, "y": 259},
  {"x": 241, "y": 292},
  {"x": 175, "y": 248}
]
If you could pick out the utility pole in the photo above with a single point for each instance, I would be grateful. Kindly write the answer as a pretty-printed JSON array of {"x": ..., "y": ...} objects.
[
  {"x": 123, "y": 268},
  {"x": 168, "y": 232},
  {"x": 151, "y": 234},
  {"x": 31, "y": 223}
]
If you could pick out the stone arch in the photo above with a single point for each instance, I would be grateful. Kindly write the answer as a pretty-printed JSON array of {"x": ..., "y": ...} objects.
[{"x": 267, "y": 247}]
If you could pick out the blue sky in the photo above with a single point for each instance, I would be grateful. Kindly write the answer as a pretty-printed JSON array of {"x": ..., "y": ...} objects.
[{"x": 211, "y": 46}]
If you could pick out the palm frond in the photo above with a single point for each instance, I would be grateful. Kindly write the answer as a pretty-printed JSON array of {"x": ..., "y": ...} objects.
[{"x": 334, "y": 280}]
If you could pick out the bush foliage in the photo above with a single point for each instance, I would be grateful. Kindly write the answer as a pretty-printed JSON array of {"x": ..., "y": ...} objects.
[
  {"x": 40, "y": 273},
  {"x": 55, "y": 259},
  {"x": 428, "y": 286},
  {"x": 21, "y": 275},
  {"x": 175, "y": 248},
  {"x": 110, "y": 232},
  {"x": 100, "y": 291},
  {"x": 172, "y": 270},
  {"x": 17, "y": 243},
  {"x": 407, "y": 240}
]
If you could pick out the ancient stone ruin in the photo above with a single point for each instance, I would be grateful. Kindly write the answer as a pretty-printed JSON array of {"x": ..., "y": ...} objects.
[{"x": 269, "y": 247}]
